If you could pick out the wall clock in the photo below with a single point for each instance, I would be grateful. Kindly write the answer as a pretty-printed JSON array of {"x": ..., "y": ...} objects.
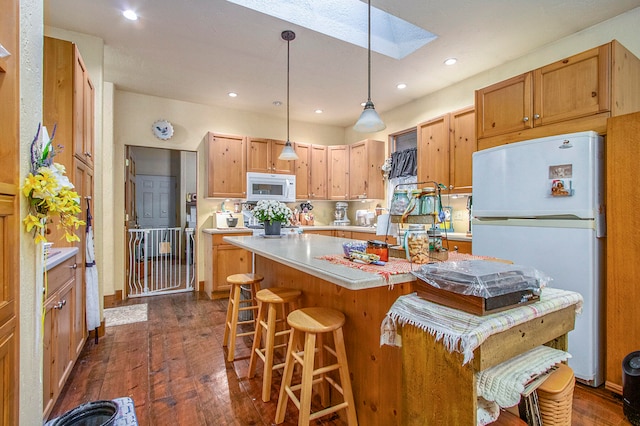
[{"x": 162, "y": 129}]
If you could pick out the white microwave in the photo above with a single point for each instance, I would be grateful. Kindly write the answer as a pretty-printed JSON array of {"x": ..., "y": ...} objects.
[{"x": 267, "y": 186}]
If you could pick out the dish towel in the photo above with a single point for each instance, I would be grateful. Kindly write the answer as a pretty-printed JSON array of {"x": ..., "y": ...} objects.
[
  {"x": 463, "y": 332},
  {"x": 505, "y": 382},
  {"x": 91, "y": 277}
]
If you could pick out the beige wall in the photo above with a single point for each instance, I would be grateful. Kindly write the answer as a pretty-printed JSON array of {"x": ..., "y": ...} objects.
[{"x": 134, "y": 113}]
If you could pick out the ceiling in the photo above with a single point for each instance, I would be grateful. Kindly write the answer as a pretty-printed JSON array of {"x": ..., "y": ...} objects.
[{"x": 199, "y": 50}]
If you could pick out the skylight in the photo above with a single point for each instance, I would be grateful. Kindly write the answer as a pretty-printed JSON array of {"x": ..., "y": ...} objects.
[{"x": 347, "y": 20}]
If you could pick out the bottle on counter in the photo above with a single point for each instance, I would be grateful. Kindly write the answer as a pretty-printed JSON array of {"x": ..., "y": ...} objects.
[
  {"x": 416, "y": 244},
  {"x": 380, "y": 248},
  {"x": 399, "y": 202}
]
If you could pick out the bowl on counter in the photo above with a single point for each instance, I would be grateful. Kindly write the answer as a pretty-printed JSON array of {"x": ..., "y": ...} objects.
[
  {"x": 232, "y": 222},
  {"x": 350, "y": 246}
]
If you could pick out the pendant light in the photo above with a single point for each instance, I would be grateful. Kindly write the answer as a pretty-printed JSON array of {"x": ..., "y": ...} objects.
[
  {"x": 369, "y": 120},
  {"x": 287, "y": 152}
]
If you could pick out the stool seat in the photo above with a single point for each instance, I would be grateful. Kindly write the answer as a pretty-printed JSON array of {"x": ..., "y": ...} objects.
[
  {"x": 268, "y": 301},
  {"x": 244, "y": 278},
  {"x": 316, "y": 319},
  {"x": 237, "y": 305}
]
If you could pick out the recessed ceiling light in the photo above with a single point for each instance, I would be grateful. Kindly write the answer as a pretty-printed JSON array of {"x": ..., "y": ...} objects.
[
  {"x": 277, "y": 103},
  {"x": 319, "y": 111},
  {"x": 232, "y": 94},
  {"x": 130, "y": 15},
  {"x": 450, "y": 61},
  {"x": 401, "y": 86}
]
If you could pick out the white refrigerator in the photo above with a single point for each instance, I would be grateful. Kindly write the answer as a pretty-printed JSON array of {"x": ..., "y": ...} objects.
[{"x": 541, "y": 203}]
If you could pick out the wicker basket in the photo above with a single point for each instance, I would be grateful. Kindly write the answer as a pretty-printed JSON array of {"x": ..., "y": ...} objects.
[{"x": 555, "y": 397}]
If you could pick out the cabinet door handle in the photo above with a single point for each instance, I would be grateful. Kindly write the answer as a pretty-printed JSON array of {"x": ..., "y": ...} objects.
[
  {"x": 75, "y": 266},
  {"x": 88, "y": 154},
  {"x": 536, "y": 116},
  {"x": 525, "y": 119},
  {"x": 60, "y": 304}
]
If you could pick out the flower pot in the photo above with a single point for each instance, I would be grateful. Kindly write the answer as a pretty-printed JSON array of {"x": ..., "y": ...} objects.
[{"x": 272, "y": 228}]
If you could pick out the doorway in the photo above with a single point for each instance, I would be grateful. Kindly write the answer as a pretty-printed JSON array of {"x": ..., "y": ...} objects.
[{"x": 160, "y": 204}]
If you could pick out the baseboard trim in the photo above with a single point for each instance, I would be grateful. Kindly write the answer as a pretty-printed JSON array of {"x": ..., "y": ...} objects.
[{"x": 111, "y": 300}]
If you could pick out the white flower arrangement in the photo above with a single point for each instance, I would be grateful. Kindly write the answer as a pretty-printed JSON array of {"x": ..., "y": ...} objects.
[{"x": 272, "y": 211}]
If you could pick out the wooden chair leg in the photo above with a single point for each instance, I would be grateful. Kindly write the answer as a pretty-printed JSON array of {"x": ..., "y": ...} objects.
[
  {"x": 345, "y": 380},
  {"x": 325, "y": 399},
  {"x": 234, "y": 324},
  {"x": 268, "y": 353},
  {"x": 306, "y": 391},
  {"x": 283, "y": 398},
  {"x": 256, "y": 341},
  {"x": 225, "y": 339}
]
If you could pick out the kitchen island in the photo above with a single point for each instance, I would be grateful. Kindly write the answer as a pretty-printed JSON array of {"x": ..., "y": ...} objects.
[
  {"x": 364, "y": 298},
  {"x": 381, "y": 394}
]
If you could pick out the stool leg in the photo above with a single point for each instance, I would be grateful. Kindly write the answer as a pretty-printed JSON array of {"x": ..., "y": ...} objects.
[
  {"x": 268, "y": 353},
  {"x": 287, "y": 374},
  {"x": 345, "y": 380},
  {"x": 324, "y": 385},
  {"x": 234, "y": 323},
  {"x": 256, "y": 341},
  {"x": 306, "y": 390},
  {"x": 225, "y": 339}
]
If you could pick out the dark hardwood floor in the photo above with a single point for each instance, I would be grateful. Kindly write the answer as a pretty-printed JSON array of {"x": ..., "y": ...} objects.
[{"x": 173, "y": 367}]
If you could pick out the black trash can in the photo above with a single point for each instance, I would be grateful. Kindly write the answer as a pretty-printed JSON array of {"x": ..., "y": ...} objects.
[
  {"x": 94, "y": 413},
  {"x": 631, "y": 387}
]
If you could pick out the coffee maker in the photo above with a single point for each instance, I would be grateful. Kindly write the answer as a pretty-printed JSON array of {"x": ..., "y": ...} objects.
[{"x": 340, "y": 214}]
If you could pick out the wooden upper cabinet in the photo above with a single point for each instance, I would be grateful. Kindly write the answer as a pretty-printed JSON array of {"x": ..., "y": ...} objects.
[
  {"x": 433, "y": 150},
  {"x": 365, "y": 170},
  {"x": 573, "y": 87},
  {"x": 311, "y": 171},
  {"x": 83, "y": 111},
  {"x": 505, "y": 107},
  {"x": 462, "y": 146},
  {"x": 303, "y": 170},
  {"x": 318, "y": 170},
  {"x": 338, "y": 171},
  {"x": 226, "y": 166},
  {"x": 262, "y": 157},
  {"x": 574, "y": 94}
]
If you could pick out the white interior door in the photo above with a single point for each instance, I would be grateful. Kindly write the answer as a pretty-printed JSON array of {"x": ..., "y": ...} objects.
[{"x": 156, "y": 201}]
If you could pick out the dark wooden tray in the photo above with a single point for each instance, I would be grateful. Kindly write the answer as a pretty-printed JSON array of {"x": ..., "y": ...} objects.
[{"x": 473, "y": 304}]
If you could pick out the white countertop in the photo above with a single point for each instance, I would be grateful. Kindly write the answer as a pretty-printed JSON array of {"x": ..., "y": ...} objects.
[
  {"x": 57, "y": 255},
  {"x": 226, "y": 230},
  {"x": 453, "y": 236},
  {"x": 301, "y": 252}
]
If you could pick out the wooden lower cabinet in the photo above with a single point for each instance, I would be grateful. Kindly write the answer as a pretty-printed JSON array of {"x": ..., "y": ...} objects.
[
  {"x": 221, "y": 260},
  {"x": 459, "y": 246},
  {"x": 340, "y": 233},
  {"x": 64, "y": 322},
  {"x": 327, "y": 232}
]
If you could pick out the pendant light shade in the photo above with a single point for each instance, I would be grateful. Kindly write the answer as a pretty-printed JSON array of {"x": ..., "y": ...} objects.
[
  {"x": 288, "y": 152},
  {"x": 369, "y": 120}
]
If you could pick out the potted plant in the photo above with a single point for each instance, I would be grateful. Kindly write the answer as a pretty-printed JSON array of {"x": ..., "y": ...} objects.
[{"x": 272, "y": 214}]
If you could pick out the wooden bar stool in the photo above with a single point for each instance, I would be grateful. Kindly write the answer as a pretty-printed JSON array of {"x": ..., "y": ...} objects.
[
  {"x": 235, "y": 306},
  {"x": 269, "y": 299},
  {"x": 312, "y": 323}
]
